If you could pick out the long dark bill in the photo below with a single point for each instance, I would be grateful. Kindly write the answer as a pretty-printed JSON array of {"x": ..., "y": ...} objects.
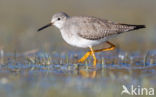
[{"x": 50, "y": 24}]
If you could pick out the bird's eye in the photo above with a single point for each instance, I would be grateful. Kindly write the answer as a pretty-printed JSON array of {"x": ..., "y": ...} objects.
[{"x": 58, "y": 19}]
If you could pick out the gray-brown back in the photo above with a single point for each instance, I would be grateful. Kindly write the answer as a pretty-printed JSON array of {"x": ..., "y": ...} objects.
[{"x": 93, "y": 28}]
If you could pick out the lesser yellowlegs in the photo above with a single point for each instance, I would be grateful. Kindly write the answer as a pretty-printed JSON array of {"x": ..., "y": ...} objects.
[{"x": 87, "y": 31}]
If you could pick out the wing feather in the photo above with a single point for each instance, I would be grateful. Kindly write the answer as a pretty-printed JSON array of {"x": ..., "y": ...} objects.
[{"x": 93, "y": 28}]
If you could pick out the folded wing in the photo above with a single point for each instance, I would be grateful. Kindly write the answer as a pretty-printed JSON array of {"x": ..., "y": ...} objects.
[{"x": 93, "y": 28}]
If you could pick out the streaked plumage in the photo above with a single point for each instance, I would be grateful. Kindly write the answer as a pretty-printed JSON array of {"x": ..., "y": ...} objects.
[{"x": 93, "y": 28}]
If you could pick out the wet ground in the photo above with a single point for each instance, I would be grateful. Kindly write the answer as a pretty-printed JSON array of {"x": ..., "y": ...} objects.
[{"x": 42, "y": 74}]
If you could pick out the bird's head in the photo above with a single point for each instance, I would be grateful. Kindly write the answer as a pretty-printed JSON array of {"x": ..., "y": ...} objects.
[{"x": 57, "y": 20}]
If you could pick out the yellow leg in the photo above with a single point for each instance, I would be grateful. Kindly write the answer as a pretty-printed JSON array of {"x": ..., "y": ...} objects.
[
  {"x": 84, "y": 57},
  {"x": 107, "y": 49},
  {"x": 94, "y": 58},
  {"x": 112, "y": 46}
]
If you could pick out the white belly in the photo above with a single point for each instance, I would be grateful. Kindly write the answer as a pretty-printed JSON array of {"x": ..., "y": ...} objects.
[{"x": 77, "y": 41}]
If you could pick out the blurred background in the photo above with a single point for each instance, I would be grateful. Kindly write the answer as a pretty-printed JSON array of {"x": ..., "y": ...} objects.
[
  {"x": 56, "y": 74},
  {"x": 19, "y": 20}
]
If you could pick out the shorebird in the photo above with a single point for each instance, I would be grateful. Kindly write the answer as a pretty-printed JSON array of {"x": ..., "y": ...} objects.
[{"x": 88, "y": 31}]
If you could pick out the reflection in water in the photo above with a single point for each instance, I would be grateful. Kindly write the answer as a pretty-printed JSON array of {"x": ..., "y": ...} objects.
[{"x": 87, "y": 74}]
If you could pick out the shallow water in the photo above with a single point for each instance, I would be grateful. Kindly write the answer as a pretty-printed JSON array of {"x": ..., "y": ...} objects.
[{"x": 57, "y": 74}]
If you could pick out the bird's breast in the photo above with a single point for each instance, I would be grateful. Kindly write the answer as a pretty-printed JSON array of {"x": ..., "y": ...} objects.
[{"x": 69, "y": 37}]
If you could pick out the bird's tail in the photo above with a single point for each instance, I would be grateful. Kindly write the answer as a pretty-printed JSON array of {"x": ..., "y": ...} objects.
[
  {"x": 134, "y": 27},
  {"x": 139, "y": 27}
]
